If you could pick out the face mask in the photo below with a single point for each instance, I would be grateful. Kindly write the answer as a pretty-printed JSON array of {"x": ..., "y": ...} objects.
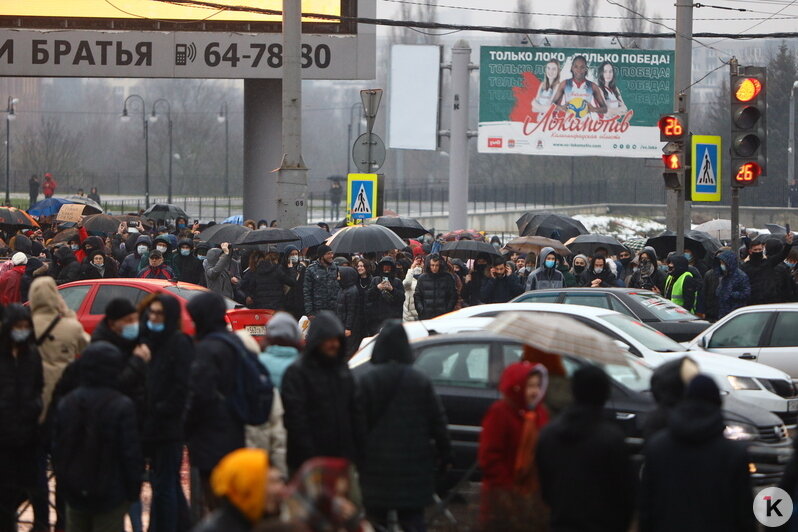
[
  {"x": 645, "y": 262},
  {"x": 130, "y": 331},
  {"x": 579, "y": 269},
  {"x": 293, "y": 259},
  {"x": 155, "y": 327},
  {"x": 185, "y": 252},
  {"x": 19, "y": 335},
  {"x": 549, "y": 264},
  {"x": 74, "y": 247},
  {"x": 758, "y": 255},
  {"x": 723, "y": 267},
  {"x": 626, "y": 261},
  {"x": 663, "y": 268},
  {"x": 688, "y": 256},
  {"x": 162, "y": 249},
  {"x": 142, "y": 249},
  {"x": 598, "y": 270},
  {"x": 263, "y": 227},
  {"x": 790, "y": 264},
  {"x": 181, "y": 226},
  {"x": 98, "y": 266},
  {"x": 201, "y": 257}
]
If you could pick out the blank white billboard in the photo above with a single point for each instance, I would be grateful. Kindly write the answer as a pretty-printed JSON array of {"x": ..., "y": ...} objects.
[{"x": 413, "y": 97}]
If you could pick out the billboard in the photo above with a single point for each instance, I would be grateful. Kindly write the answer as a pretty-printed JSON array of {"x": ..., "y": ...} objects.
[
  {"x": 414, "y": 96},
  {"x": 573, "y": 101}
]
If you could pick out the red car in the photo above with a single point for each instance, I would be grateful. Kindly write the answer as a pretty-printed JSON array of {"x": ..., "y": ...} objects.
[{"x": 89, "y": 298}]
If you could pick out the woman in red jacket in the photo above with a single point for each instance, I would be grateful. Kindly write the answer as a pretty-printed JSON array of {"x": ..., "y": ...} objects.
[{"x": 510, "y": 489}]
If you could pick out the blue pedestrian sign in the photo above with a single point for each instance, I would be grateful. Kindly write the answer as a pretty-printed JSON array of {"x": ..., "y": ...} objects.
[
  {"x": 361, "y": 196},
  {"x": 705, "y": 170}
]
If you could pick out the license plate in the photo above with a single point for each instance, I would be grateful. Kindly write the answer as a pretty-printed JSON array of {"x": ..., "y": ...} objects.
[
  {"x": 260, "y": 330},
  {"x": 792, "y": 405}
]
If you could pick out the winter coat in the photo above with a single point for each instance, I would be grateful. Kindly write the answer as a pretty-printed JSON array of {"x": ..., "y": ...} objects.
[
  {"x": 157, "y": 272},
  {"x": 734, "y": 288},
  {"x": 64, "y": 341},
  {"x": 130, "y": 266},
  {"x": 500, "y": 289},
  {"x": 351, "y": 310},
  {"x": 320, "y": 289},
  {"x": 770, "y": 283},
  {"x": 691, "y": 466},
  {"x": 472, "y": 291},
  {"x": 21, "y": 385},
  {"x": 276, "y": 359},
  {"x": 266, "y": 285},
  {"x": 271, "y": 435},
  {"x": 217, "y": 278},
  {"x": 568, "y": 277},
  {"x": 167, "y": 376},
  {"x": 11, "y": 285},
  {"x": 435, "y": 293},
  {"x": 384, "y": 305},
  {"x": 606, "y": 275},
  {"x": 583, "y": 463},
  {"x": 323, "y": 415},
  {"x": 709, "y": 304},
  {"x": 89, "y": 271},
  {"x": 690, "y": 288},
  {"x": 294, "y": 298},
  {"x": 542, "y": 278},
  {"x": 188, "y": 269},
  {"x": 409, "y": 312},
  {"x": 404, "y": 417},
  {"x": 168, "y": 256},
  {"x": 33, "y": 269},
  {"x": 68, "y": 266}
]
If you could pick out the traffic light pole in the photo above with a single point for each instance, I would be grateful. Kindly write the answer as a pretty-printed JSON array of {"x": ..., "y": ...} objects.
[
  {"x": 684, "y": 63},
  {"x": 734, "y": 68}
]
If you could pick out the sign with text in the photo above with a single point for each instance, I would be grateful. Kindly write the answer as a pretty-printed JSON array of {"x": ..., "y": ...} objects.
[
  {"x": 70, "y": 212},
  {"x": 705, "y": 172},
  {"x": 573, "y": 101},
  {"x": 361, "y": 196}
]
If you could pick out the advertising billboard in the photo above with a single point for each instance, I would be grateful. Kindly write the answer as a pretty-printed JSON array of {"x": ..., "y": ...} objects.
[{"x": 573, "y": 101}]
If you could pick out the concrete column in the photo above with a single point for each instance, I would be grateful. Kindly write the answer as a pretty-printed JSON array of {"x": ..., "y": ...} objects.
[
  {"x": 458, "y": 140},
  {"x": 263, "y": 152}
]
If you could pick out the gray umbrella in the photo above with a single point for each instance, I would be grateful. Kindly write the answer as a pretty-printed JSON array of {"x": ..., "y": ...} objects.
[
  {"x": 219, "y": 233},
  {"x": 269, "y": 235},
  {"x": 164, "y": 211}
]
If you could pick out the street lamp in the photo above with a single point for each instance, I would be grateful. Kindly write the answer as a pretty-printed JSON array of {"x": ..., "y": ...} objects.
[
  {"x": 222, "y": 118},
  {"x": 10, "y": 116},
  {"x": 154, "y": 118},
  {"x": 791, "y": 148},
  {"x": 126, "y": 118},
  {"x": 349, "y": 133}
]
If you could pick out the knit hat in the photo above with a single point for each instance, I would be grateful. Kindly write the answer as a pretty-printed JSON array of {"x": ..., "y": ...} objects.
[
  {"x": 322, "y": 250},
  {"x": 19, "y": 258},
  {"x": 240, "y": 477},
  {"x": 703, "y": 388},
  {"x": 284, "y": 327},
  {"x": 119, "y": 308}
]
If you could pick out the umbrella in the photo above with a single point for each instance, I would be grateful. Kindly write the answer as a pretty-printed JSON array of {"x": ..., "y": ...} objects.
[
  {"x": 404, "y": 227},
  {"x": 309, "y": 236},
  {"x": 13, "y": 218},
  {"x": 533, "y": 244},
  {"x": 65, "y": 236},
  {"x": 371, "y": 238},
  {"x": 48, "y": 207},
  {"x": 468, "y": 249},
  {"x": 92, "y": 207},
  {"x": 587, "y": 244},
  {"x": 699, "y": 242},
  {"x": 269, "y": 235},
  {"x": 558, "y": 334},
  {"x": 463, "y": 234},
  {"x": 720, "y": 229},
  {"x": 164, "y": 211},
  {"x": 218, "y": 233},
  {"x": 776, "y": 229},
  {"x": 235, "y": 219},
  {"x": 635, "y": 244},
  {"x": 101, "y": 223},
  {"x": 550, "y": 225}
]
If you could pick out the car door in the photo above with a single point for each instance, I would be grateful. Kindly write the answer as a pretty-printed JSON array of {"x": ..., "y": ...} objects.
[
  {"x": 741, "y": 336},
  {"x": 595, "y": 299},
  {"x": 77, "y": 298},
  {"x": 103, "y": 295},
  {"x": 780, "y": 350}
]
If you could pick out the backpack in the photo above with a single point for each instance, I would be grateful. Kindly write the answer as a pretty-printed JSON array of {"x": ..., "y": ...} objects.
[{"x": 251, "y": 400}]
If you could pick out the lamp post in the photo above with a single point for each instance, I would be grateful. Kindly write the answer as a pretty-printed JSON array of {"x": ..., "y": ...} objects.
[
  {"x": 349, "y": 133},
  {"x": 126, "y": 118},
  {"x": 791, "y": 148},
  {"x": 154, "y": 118},
  {"x": 222, "y": 118},
  {"x": 10, "y": 116}
]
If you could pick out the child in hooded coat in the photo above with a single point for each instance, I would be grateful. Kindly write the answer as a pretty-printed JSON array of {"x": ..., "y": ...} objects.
[{"x": 510, "y": 487}]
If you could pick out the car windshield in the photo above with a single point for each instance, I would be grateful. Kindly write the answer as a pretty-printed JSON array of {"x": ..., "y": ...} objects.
[
  {"x": 636, "y": 376},
  {"x": 644, "y": 334},
  {"x": 190, "y": 293},
  {"x": 663, "y": 309}
]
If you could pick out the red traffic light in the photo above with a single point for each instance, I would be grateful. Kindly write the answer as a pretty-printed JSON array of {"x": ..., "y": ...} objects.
[
  {"x": 671, "y": 127},
  {"x": 748, "y": 173},
  {"x": 747, "y": 89},
  {"x": 673, "y": 161}
]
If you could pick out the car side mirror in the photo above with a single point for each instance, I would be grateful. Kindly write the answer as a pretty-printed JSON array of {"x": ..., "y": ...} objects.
[{"x": 705, "y": 341}]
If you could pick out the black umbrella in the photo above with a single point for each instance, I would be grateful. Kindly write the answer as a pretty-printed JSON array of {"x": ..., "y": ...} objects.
[
  {"x": 164, "y": 211},
  {"x": 468, "y": 249},
  {"x": 587, "y": 244},
  {"x": 698, "y": 242},
  {"x": 219, "y": 233},
  {"x": 309, "y": 236},
  {"x": 404, "y": 227},
  {"x": 371, "y": 238},
  {"x": 92, "y": 207},
  {"x": 269, "y": 235},
  {"x": 101, "y": 223},
  {"x": 550, "y": 225},
  {"x": 12, "y": 218}
]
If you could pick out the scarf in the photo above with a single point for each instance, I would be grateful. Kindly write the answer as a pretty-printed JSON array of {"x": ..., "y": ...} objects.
[{"x": 526, "y": 471}]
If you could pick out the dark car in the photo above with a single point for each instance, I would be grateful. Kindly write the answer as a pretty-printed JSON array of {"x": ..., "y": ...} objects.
[
  {"x": 465, "y": 370},
  {"x": 644, "y": 305}
]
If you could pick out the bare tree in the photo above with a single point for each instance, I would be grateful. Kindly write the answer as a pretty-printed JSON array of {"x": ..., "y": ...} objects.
[
  {"x": 522, "y": 18},
  {"x": 585, "y": 11},
  {"x": 422, "y": 13},
  {"x": 50, "y": 146}
]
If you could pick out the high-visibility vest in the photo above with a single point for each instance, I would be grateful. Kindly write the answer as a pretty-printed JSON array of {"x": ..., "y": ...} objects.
[{"x": 677, "y": 293}]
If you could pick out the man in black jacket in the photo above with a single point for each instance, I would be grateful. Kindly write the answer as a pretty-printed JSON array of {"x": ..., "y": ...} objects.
[
  {"x": 435, "y": 290},
  {"x": 583, "y": 462},
  {"x": 323, "y": 416},
  {"x": 770, "y": 280},
  {"x": 500, "y": 286},
  {"x": 187, "y": 267},
  {"x": 321, "y": 288},
  {"x": 385, "y": 297},
  {"x": 68, "y": 265}
]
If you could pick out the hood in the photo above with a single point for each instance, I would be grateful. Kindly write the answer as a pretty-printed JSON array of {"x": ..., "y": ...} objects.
[
  {"x": 64, "y": 256},
  {"x": 773, "y": 247},
  {"x": 286, "y": 251},
  {"x": 392, "y": 345},
  {"x": 36, "y": 248},
  {"x": 100, "y": 364},
  {"x": 43, "y": 295},
  {"x": 164, "y": 239},
  {"x": 695, "y": 421},
  {"x": 583, "y": 257},
  {"x": 348, "y": 276},
  {"x": 13, "y": 313},
  {"x": 241, "y": 477},
  {"x": 144, "y": 239},
  {"x": 514, "y": 378},
  {"x": 651, "y": 252},
  {"x": 325, "y": 325},
  {"x": 387, "y": 259},
  {"x": 430, "y": 258},
  {"x": 680, "y": 265},
  {"x": 667, "y": 381},
  {"x": 93, "y": 243},
  {"x": 213, "y": 256},
  {"x": 171, "y": 307},
  {"x": 730, "y": 259},
  {"x": 23, "y": 244},
  {"x": 186, "y": 242},
  {"x": 463, "y": 268},
  {"x": 35, "y": 267},
  {"x": 208, "y": 310},
  {"x": 545, "y": 253}
]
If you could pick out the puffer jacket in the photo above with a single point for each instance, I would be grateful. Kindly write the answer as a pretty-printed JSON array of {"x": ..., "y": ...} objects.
[
  {"x": 435, "y": 292},
  {"x": 734, "y": 288},
  {"x": 188, "y": 269},
  {"x": 266, "y": 285},
  {"x": 217, "y": 278},
  {"x": 320, "y": 288},
  {"x": 409, "y": 312},
  {"x": 130, "y": 266},
  {"x": 381, "y": 304},
  {"x": 168, "y": 255},
  {"x": 543, "y": 277}
]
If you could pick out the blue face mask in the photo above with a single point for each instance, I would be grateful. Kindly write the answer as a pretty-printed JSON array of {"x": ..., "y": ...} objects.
[
  {"x": 181, "y": 226},
  {"x": 185, "y": 252},
  {"x": 155, "y": 327},
  {"x": 549, "y": 264},
  {"x": 130, "y": 331},
  {"x": 688, "y": 256},
  {"x": 663, "y": 268},
  {"x": 74, "y": 247},
  {"x": 201, "y": 257},
  {"x": 790, "y": 264}
]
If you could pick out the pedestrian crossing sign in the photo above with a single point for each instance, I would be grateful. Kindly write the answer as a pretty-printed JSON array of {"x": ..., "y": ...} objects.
[
  {"x": 361, "y": 196},
  {"x": 705, "y": 168}
]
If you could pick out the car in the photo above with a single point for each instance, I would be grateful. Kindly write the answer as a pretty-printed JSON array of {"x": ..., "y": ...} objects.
[
  {"x": 465, "y": 369},
  {"x": 767, "y": 334},
  {"x": 652, "y": 309},
  {"x": 89, "y": 298},
  {"x": 764, "y": 386}
]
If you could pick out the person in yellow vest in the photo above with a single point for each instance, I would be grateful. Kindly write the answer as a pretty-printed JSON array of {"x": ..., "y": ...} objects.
[{"x": 681, "y": 286}]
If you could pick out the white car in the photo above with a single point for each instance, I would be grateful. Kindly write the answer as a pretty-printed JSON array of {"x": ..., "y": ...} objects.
[{"x": 755, "y": 383}]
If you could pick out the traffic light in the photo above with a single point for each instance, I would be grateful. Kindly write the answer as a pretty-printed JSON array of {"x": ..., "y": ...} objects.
[
  {"x": 673, "y": 130},
  {"x": 748, "y": 125}
]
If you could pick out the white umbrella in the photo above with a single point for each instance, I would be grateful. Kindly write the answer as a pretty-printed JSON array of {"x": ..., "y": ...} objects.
[
  {"x": 559, "y": 335},
  {"x": 720, "y": 229}
]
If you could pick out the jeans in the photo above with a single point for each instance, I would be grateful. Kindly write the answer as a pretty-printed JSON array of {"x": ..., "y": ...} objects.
[
  {"x": 410, "y": 519},
  {"x": 111, "y": 521},
  {"x": 169, "y": 512}
]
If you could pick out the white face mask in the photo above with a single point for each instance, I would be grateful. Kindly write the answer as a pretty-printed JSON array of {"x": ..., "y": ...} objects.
[
  {"x": 598, "y": 269},
  {"x": 293, "y": 259},
  {"x": 142, "y": 249},
  {"x": 162, "y": 249}
]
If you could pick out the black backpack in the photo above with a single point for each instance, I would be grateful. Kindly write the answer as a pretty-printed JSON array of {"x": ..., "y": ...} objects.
[{"x": 251, "y": 399}]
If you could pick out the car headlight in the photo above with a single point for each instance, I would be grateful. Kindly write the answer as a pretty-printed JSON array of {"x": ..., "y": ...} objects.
[
  {"x": 742, "y": 383},
  {"x": 740, "y": 432}
]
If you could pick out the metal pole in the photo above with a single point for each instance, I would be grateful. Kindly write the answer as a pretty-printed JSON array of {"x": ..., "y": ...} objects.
[
  {"x": 458, "y": 140},
  {"x": 791, "y": 149},
  {"x": 8, "y": 156},
  {"x": 169, "y": 118},
  {"x": 146, "y": 158},
  {"x": 735, "y": 218},
  {"x": 684, "y": 50},
  {"x": 226, "y": 151}
]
